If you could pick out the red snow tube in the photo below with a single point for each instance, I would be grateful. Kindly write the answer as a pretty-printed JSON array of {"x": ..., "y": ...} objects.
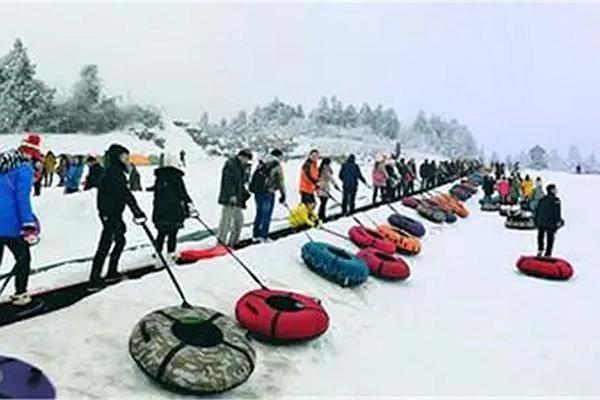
[
  {"x": 384, "y": 265},
  {"x": 193, "y": 255},
  {"x": 411, "y": 202},
  {"x": 545, "y": 267},
  {"x": 364, "y": 237},
  {"x": 281, "y": 317}
]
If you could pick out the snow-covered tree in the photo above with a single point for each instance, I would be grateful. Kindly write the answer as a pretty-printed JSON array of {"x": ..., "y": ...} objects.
[
  {"x": 350, "y": 117},
  {"x": 365, "y": 115},
  {"x": 322, "y": 114},
  {"x": 574, "y": 158},
  {"x": 299, "y": 112},
  {"x": 538, "y": 157},
  {"x": 390, "y": 126},
  {"x": 204, "y": 120},
  {"x": 25, "y": 102}
]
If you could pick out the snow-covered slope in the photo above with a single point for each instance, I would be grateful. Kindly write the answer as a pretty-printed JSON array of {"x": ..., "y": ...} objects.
[{"x": 465, "y": 323}]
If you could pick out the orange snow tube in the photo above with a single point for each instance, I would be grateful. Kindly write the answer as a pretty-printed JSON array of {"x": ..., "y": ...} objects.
[
  {"x": 404, "y": 241},
  {"x": 457, "y": 206}
]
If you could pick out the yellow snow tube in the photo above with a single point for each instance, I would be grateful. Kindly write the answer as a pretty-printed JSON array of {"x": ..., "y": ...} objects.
[{"x": 404, "y": 241}]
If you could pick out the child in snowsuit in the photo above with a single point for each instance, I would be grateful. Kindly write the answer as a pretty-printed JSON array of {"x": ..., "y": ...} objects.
[
  {"x": 172, "y": 204},
  {"x": 304, "y": 215}
]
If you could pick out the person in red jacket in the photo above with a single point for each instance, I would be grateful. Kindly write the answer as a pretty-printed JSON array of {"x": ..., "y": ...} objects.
[{"x": 309, "y": 177}]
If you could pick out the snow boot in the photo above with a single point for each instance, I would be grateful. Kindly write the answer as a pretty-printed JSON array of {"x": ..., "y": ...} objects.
[
  {"x": 113, "y": 278},
  {"x": 20, "y": 300},
  {"x": 94, "y": 286}
]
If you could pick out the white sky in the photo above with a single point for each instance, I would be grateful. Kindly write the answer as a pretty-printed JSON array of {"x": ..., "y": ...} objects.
[{"x": 517, "y": 75}]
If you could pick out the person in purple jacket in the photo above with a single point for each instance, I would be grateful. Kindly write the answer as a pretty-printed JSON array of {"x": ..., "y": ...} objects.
[{"x": 18, "y": 226}]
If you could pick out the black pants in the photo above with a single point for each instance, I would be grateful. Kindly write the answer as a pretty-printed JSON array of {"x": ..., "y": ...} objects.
[
  {"x": 113, "y": 231},
  {"x": 307, "y": 198},
  {"x": 20, "y": 250},
  {"x": 37, "y": 188},
  {"x": 48, "y": 178},
  {"x": 348, "y": 201},
  {"x": 322, "y": 207},
  {"x": 549, "y": 236},
  {"x": 171, "y": 235},
  {"x": 377, "y": 190}
]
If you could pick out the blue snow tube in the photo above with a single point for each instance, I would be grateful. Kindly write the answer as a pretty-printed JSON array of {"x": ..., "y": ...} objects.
[
  {"x": 410, "y": 225},
  {"x": 450, "y": 218},
  {"x": 335, "y": 264}
]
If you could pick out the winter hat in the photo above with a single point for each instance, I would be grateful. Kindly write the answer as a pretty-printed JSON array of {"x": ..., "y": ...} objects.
[
  {"x": 31, "y": 146},
  {"x": 170, "y": 160},
  {"x": 113, "y": 153},
  {"x": 245, "y": 153},
  {"x": 277, "y": 153}
]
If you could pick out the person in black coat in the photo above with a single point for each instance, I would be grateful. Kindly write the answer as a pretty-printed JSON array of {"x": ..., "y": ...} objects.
[
  {"x": 113, "y": 195},
  {"x": 95, "y": 172},
  {"x": 233, "y": 196},
  {"x": 489, "y": 184},
  {"x": 548, "y": 220},
  {"x": 172, "y": 204},
  {"x": 350, "y": 174}
]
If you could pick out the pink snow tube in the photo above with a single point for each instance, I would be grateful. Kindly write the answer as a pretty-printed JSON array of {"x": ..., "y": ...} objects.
[
  {"x": 384, "y": 265},
  {"x": 411, "y": 202},
  {"x": 364, "y": 237}
]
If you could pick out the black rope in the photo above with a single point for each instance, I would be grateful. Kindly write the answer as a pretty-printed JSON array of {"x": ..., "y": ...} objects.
[
  {"x": 336, "y": 234},
  {"x": 6, "y": 280},
  {"x": 164, "y": 263},
  {"x": 231, "y": 253}
]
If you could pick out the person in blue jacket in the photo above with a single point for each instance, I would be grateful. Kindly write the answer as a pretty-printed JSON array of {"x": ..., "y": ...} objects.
[
  {"x": 18, "y": 227},
  {"x": 350, "y": 174},
  {"x": 74, "y": 174}
]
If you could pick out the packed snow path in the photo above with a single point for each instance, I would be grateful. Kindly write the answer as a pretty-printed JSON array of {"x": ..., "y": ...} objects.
[{"x": 465, "y": 323}]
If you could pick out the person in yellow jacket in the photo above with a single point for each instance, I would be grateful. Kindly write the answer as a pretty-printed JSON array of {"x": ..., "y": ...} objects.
[
  {"x": 304, "y": 215},
  {"x": 527, "y": 187}
]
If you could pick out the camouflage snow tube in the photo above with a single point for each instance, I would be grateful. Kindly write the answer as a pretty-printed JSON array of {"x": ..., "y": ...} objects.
[
  {"x": 194, "y": 350},
  {"x": 432, "y": 214}
]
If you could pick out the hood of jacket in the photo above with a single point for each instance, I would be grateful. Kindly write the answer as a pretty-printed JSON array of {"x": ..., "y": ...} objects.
[{"x": 12, "y": 159}]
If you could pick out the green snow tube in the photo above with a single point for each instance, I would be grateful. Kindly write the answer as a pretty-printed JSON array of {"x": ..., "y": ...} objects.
[
  {"x": 432, "y": 214},
  {"x": 194, "y": 350}
]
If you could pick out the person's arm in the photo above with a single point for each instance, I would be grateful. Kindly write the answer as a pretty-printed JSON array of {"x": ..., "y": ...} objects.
[
  {"x": 360, "y": 175},
  {"x": 128, "y": 198},
  {"x": 23, "y": 193}
]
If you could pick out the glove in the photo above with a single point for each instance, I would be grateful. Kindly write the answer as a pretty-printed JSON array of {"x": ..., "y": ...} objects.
[
  {"x": 192, "y": 212},
  {"x": 30, "y": 234},
  {"x": 282, "y": 198}
]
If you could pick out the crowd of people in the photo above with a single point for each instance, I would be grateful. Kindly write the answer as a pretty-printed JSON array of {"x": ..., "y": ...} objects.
[
  {"x": 26, "y": 169},
  {"x": 530, "y": 196}
]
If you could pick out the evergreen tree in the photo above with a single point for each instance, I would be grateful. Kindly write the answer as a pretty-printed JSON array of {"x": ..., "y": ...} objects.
[
  {"x": 350, "y": 117},
  {"x": 365, "y": 115},
  {"x": 25, "y": 102}
]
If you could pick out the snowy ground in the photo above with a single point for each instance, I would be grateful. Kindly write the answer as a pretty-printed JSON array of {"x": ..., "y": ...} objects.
[{"x": 465, "y": 323}]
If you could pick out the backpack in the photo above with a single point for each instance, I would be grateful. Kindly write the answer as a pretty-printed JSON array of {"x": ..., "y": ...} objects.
[{"x": 261, "y": 179}]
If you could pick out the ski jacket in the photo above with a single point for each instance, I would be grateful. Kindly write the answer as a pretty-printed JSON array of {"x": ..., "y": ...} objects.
[
  {"x": 350, "y": 174},
  {"x": 94, "y": 175},
  {"x": 488, "y": 186},
  {"x": 325, "y": 182},
  {"x": 16, "y": 182},
  {"x": 113, "y": 193},
  {"x": 73, "y": 177},
  {"x": 547, "y": 213},
  {"x": 50, "y": 163},
  {"x": 379, "y": 176},
  {"x": 233, "y": 179},
  {"x": 503, "y": 188},
  {"x": 309, "y": 177},
  {"x": 171, "y": 199},
  {"x": 527, "y": 188}
]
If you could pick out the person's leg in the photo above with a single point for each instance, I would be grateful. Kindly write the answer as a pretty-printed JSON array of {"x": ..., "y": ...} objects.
[
  {"x": 267, "y": 213},
  {"x": 225, "y": 224},
  {"x": 351, "y": 200},
  {"x": 238, "y": 224},
  {"x": 256, "y": 227},
  {"x": 115, "y": 255},
  {"x": 51, "y": 179},
  {"x": 322, "y": 207},
  {"x": 345, "y": 198},
  {"x": 172, "y": 241},
  {"x": 101, "y": 253},
  {"x": 549, "y": 242},
  {"x": 540, "y": 240},
  {"x": 375, "y": 194},
  {"x": 160, "y": 240},
  {"x": 20, "y": 250}
]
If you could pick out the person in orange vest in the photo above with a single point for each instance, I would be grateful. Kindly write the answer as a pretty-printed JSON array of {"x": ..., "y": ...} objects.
[{"x": 309, "y": 178}]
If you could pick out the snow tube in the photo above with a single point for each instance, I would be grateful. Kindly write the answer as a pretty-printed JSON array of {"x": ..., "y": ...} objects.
[
  {"x": 281, "y": 317},
  {"x": 20, "y": 380},
  {"x": 432, "y": 214},
  {"x": 193, "y": 255},
  {"x": 451, "y": 218},
  {"x": 545, "y": 267},
  {"x": 334, "y": 264},
  {"x": 459, "y": 193},
  {"x": 383, "y": 265},
  {"x": 490, "y": 207},
  {"x": 454, "y": 206},
  {"x": 193, "y": 350},
  {"x": 508, "y": 210},
  {"x": 492, "y": 200},
  {"x": 411, "y": 202},
  {"x": 520, "y": 222},
  {"x": 405, "y": 242},
  {"x": 364, "y": 237},
  {"x": 407, "y": 224}
]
